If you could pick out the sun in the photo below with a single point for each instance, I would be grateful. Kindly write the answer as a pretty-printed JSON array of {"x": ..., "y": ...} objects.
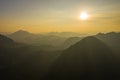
[{"x": 84, "y": 15}]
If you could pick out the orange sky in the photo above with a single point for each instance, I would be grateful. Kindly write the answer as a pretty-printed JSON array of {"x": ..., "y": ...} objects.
[{"x": 62, "y": 16}]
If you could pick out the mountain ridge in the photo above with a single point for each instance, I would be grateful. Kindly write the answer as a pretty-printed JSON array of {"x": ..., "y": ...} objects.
[{"x": 90, "y": 58}]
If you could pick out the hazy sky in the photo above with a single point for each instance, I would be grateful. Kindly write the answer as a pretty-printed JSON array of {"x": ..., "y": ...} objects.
[{"x": 59, "y": 15}]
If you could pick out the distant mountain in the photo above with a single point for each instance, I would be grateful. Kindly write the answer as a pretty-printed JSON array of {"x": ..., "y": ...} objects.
[
  {"x": 66, "y": 34},
  {"x": 71, "y": 41},
  {"x": 21, "y": 32},
  {"x": 90, "y": 58},
  {"x": 22, "y": 36},
  {"x": 36, "y": 39},
  {"x": 5, "y": 41}
]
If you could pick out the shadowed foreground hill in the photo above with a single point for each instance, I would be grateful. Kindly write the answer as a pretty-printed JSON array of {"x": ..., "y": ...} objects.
[
  {"x": 88, "y": 59},
  {"x": 23, "y": 62}
]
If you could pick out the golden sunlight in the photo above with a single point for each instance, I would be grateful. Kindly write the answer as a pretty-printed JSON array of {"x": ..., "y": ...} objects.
[{"x": 84, "y": 15}]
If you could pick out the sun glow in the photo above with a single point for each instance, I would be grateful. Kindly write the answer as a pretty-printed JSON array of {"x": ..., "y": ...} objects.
[{"x": 84, "y": 16}]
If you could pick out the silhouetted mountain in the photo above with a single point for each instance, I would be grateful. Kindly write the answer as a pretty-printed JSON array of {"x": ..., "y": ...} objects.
[
  {"x": 90, "y": 58},
  {"x": 112, "y": 39},
  {"x": 23, "y": 62},
  {"x": 5, "y": 41},
  {"x": 22, "y": 36}
]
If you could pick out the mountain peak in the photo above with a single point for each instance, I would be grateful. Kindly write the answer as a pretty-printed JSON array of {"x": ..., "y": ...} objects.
[
  {"x": 88, "y": 42},
  {"x": 89, "y": 56},
  {"x": 21, "y": 32}
]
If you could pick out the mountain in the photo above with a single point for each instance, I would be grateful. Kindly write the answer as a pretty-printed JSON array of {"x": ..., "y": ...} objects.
[
  {"x": 112, "y": 39},
  {"x": 4, "y": 33},
  {"x": 5, "y": 41},
  {"x": 66, "y": 34},
  {"x": 90, "y": 58},
  {"x": 36, "y": 39},
  {"x": 21, "y": 32},
  {"x": 71, "y": 41},
  {"x": 22, "y": 36}
]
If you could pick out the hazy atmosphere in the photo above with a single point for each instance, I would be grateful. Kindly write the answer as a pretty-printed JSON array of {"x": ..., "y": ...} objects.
[
  {"x": 59, "y": 15},
  {"x": 59, "y": 39}
]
